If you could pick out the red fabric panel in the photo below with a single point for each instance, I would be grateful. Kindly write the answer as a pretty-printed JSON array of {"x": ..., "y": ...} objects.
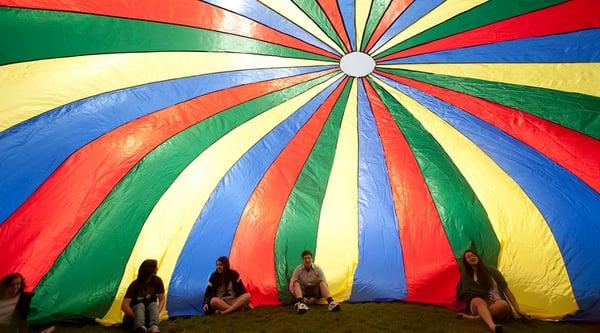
[
  {"x": 430, "y": 267},
  {"x": 549, "y": 21},
  {"x": 196, "y": 14},
  {"x": 331, "y": 9},
  {"x": 574, "y": 151},
  {"x": 40, "y": 229},
  {"x": 255, "y": 235},
  {"x": 396, "y": 8}
]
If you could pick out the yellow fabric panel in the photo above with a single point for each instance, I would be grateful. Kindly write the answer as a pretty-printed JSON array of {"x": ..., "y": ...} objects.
[
  {"x": 442, "y": 13},
  {"x": 31, "y": 88},
  {"x": 166, "y": 230},
  {"x": 337, "y": 239},
  {"x": 290, "y": 11},
  {"x": 363, "y": 7},
  {"x": 529, "y": 255},
  {"x": 583, "y": 78}
]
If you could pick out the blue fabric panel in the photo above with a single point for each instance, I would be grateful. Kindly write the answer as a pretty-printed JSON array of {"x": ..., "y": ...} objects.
[
  {"x": 348, "y": 15},
  {"x": 379, "y": 275}
]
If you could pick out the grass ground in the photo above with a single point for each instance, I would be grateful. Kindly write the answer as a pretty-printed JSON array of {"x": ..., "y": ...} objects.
[{"x": 366, "y": 317}]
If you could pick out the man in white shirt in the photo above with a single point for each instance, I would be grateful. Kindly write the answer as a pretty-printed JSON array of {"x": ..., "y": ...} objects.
[{"x": 308, "y": 285}]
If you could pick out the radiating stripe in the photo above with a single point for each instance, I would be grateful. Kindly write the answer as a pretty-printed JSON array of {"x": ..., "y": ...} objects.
[
  {"x": 579, "y": 46},
  {"x": 180, "y": 13},
  {"x": 258, "y": 12},
  {"x": 582, "y": 110},
  {"x": 413, "y": 13},
  {"x": 347, "y": 10},
  {"x": 332, "y": 10},
  {"x": 418, "y": 220},
  {"x": 524, "y": 26},
  {"x": 173, "y": 216},
  {"x": 516, "y": 220},
  {"x": 583, "y": 78},
  {"x": 484, "y": 14},
  {"x": 315, "y": 12},
  {"x": 377, "y": 277},
  {"x": 37, "y": 147},
  {"x": 439, "y": 14},
  {"x": 292, "y": 13},
  {"x": 257, "y": 228},
  {"x": 337, "y": 239},
  {"x": 395, "y": 9},
  {"x": 31, "y": 88},
  {"x": 378, "y": 8},
  {"x": 361, "y": 16},
  {"x": 551, "y": 188},
  {"x": 213, "y": 231},
  {"x": 576, "y": 152},
  {"x": 299, "y": 222},
  {"x": 51, "y": 34},
  {"x": 465, "y": 220},
  {"x": 63, "y": 203}
]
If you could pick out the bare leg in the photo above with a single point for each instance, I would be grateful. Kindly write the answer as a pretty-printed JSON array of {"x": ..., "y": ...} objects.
[
  {"x": 500, "y": 310},
  {"x": 324, "y": 289},
  {"x": 218, "y": 304},
  {"x": 297, "y": 290},
  {"x": 238, "y": 303},
  {"x": 480, "y": 307}
]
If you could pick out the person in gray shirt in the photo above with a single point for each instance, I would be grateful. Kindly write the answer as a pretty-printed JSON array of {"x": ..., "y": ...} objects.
[{"x": 308, "y": 285}]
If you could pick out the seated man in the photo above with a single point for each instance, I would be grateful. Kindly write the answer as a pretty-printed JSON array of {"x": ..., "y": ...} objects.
[{"x": 308, "y": 285}]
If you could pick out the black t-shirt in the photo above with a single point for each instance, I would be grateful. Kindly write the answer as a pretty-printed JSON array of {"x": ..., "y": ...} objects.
[{"x": 142, "y": 292}]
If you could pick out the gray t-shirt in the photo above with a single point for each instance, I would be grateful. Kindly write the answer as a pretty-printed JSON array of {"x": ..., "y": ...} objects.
[{"x": 310, "y": 277}]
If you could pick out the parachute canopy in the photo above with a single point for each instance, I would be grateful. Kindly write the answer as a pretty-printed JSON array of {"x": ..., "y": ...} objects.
[{"x": 187, "y": 130}]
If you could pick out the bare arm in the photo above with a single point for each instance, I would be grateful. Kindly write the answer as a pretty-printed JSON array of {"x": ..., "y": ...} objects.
[
  {"x": 125, "y": 307},
  {"x": 513, "y": 301},
  {"x": 161, "y": 302}
]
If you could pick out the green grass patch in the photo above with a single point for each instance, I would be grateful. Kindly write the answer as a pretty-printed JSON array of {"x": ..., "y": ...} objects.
[{"x": 364, "y": 317}]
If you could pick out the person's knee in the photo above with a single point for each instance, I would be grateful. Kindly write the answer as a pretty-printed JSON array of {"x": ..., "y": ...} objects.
[
  {"x": 245, "y": 297},
  {"x": 139, "y": 307},
  {"x": 476, "y": 301},
  {"x": 214, "y": 301}
]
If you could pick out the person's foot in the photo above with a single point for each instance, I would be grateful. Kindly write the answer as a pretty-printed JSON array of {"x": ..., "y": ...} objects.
[
  {"x": 301, "y": 308},
  {"x": 334, "y": 306},
  {"x": 154, "y": 329},
  {"x": 498, "y": 329},
  {"x": 140, "y": 329}
]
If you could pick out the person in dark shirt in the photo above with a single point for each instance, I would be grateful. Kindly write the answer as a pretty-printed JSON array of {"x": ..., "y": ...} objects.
[
  {"x": 14, "y": 305},
  {"x": 225, "y": 292},
  {"x": 145, "y": 298},
  {"x": 485, "y": 292}
]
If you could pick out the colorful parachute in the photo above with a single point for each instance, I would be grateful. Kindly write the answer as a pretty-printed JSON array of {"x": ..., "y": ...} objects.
[{"x": 186, "y": 130}]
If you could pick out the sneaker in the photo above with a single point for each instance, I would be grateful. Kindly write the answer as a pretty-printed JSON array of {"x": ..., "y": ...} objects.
[
  {"x": 301, "y": 308},
  {"x": 334, "y": 306}
]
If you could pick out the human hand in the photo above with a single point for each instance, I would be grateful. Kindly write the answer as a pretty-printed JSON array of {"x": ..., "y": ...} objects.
[
  {"x": 524, "y": 316},
  {"x": 205, "y": 308}
]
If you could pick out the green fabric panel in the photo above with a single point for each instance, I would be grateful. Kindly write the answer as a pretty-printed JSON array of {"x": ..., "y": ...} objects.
[
  {"x": 486, "y": 13},
  {"x": 84, "y": 283},
  {"x": 41, "y": 34},
  {"x": 315, "y": 12},
  {"x": 464, "y": 219},
  {"x": 299, "y": 224},
  {"x": 378, "y": 8},
  {"x": 578, "y": 112}
]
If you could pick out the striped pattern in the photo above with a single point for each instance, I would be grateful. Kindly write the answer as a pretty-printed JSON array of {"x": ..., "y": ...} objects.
[{"x": 221, "y": 127}]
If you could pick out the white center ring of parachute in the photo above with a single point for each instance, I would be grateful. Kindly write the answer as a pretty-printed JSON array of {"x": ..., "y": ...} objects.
[{"x": 357, "y": 64}]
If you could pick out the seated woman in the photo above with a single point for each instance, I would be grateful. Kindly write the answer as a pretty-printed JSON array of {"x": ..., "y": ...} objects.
[
  {"x": 145, "y": 298},
  {"x": 225, "y": 292},
  {"x": 486, "y": 293},
  {"x": 14, "y": 305}
]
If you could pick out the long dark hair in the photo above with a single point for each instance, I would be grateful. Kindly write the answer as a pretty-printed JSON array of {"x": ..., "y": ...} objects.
[
  {"x": 226, "y": 276},
  {"x": 147, "y": 270},
  {"x": 483, "y": 274},
  {"x": 8, "y": 279}
]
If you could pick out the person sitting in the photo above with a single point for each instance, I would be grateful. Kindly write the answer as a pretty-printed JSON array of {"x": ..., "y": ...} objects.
[
  {"x": 485, "y": 292},
  {"x": 225, "y": 292},
  {"x": 308, "y": 285},
  {"x": 145, "y": 298},
  {"x": 14, "y": 305}
]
